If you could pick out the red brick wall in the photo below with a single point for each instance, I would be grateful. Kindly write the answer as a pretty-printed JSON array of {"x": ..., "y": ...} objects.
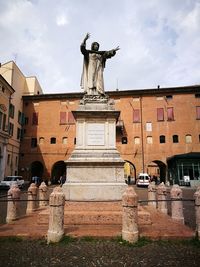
[{"x": 185, "y": 122}]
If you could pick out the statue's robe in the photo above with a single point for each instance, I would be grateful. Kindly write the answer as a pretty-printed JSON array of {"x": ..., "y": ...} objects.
[{"x": 92, "y": 75}]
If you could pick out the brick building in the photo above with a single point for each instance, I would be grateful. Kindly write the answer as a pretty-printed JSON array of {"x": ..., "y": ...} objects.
[{"x": 155, "y": 127}]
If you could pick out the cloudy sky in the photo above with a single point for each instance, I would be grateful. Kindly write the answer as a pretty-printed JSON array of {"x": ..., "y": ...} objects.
[{"x": 159, "y": 41}]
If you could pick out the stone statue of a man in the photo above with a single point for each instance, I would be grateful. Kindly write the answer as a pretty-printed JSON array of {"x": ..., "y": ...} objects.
[{"x": 93, "y": 66}]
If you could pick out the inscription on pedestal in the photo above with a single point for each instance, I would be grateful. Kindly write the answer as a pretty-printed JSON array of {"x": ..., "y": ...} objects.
[{"x": 95, "y": 134}]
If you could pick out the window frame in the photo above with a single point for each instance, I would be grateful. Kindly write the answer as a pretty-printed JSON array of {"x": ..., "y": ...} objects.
[
  {"x": 164, "y": 139},
  {"x": 175, "y": 141},
  {"x": 170, "y": 114},
  {"x": 136, "y": 115},
  {"x": 160, "y": 114}
]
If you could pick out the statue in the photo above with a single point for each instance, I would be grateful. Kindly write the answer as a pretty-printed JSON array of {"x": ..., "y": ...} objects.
[{"x": 93, "y": 66}]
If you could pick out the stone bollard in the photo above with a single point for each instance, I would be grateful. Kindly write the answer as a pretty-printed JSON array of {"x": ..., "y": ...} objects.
[
  {"x": 130, "y": 215},
  {"x": 32, "y": 196},
  {"x": 56, "y": 215},
  {"x": 152, "y": 194},
  {"x": 13, "y": 206},
  {"x": 43, "y": 195},
  {"x": 177, "y": 206},
  {"x": 197, "y": 211},
  {"x": 161, "y": 195}
]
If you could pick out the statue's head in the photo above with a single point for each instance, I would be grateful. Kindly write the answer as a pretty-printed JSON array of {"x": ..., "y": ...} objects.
[{"x": 95, "y": 46}]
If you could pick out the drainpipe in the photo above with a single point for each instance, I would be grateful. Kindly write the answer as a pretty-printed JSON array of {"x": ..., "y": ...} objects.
[{"x": 141, "y": 127}]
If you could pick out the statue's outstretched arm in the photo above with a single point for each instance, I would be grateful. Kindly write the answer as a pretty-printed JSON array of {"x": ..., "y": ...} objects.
[
  {"x": 83, "y": 44},
  {"x": 116, "y": 49},
  {"x": 86, "y": 38}
]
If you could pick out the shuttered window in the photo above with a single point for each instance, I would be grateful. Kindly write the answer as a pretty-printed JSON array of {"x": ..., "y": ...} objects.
[
  {"x": 198, "y": 113},
  {"x": 136, "y": 115},
  {"x": 170, "y": 114},
  {"x": 70, "y": 117},
  {"x": 63, "y": 117},
  {"x": 35, "y": 118},
  {"x": 160, "y": 114}
]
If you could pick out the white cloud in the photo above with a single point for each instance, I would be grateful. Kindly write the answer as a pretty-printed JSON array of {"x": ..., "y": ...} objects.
[
  {"x": 61, "y": 20},
  {"x": 159, "y": 41}
]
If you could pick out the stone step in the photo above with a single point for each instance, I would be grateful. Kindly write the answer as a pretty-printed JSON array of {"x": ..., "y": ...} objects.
[
  {"x": 94, "y": 214},
  {"x": 93, "y": 217},
  {"x": 93, "y": 206}
]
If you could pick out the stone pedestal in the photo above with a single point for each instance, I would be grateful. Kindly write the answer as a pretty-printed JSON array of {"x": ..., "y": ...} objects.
[
  {"x": 161, "y": 197},
  {"x": 13, "y": 203},
  {"x": 56, "y": 216},
  {"x": 152, "y": 194},
  {"x": 130, "y": 215},
  {"x": 95, "y": 170},
  {"x": 177, "y": 204}
]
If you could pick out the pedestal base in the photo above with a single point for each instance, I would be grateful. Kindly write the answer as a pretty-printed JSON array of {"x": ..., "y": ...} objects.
[{"x": 93, "y": 191}]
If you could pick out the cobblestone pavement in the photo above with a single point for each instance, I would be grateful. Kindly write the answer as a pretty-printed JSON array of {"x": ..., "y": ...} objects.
[{"x": 91, "y": 253}]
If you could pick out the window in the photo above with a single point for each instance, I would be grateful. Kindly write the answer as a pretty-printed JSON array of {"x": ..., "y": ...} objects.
[
  {"x": 41, "y": 140},
  {"x": 160, "y": 114},
  {"x": 137, "y": 140},
  {"x": 197, "y": 95},
  {"x": 136, "y": 115},
  {"x": 159, "y": 98},
  {"x": 33, "y": 142},
  {"x": 63, "y": 117},
  {"x": 22, "y": 119},
  {"x": 198, "y": 113},
  {"x": 66, "y": 117},
  {"x": 170, "y": 114},
  {"x": 169, "y": 97},
  {"x": 4, "y": 122},
  {"x": 175, "y": 138},
  {"x": 19, "y": 133},
  {"x": 35, "y": 118},
  {"x": 149, "y": 140},
  {"x": 26, "y": 120},
  {"x": 149, "y": 127},
  {"x": 11, "y": 129},
  {"x": 124, "y": 140},
  {"x": 188, "y": 139},
  {"x": 1, "y": 119},
  {"x": 70, "y": 117},
  {"x": 53, "y": 140},
  {"x": 19, "y": 117},
  {"x": 8, "y": 159},
  {"x": 64, "y": 140},
  {"x": 162, "y": 139},
  {"x": 12, "y": 111}
]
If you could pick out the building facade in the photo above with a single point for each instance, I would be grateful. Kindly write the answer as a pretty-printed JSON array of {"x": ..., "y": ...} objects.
[
  {"x": 22, "y": 86},
  {"x": 154, "y": 126},
  {"x": 5, "y": 97}
]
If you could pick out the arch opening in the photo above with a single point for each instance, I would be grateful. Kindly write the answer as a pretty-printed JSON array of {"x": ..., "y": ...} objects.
[
  {"x": 37, "y": 169},
  {"x": 157, "y": 171},
  {"x": 129, "y": 172},
  {"x": 58, "y": 170}
]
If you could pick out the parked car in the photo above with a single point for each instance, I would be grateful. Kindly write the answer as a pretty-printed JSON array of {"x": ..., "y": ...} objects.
[
  {"x": 143, "y": 180},
  {"x": 9, "y": 180}
]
